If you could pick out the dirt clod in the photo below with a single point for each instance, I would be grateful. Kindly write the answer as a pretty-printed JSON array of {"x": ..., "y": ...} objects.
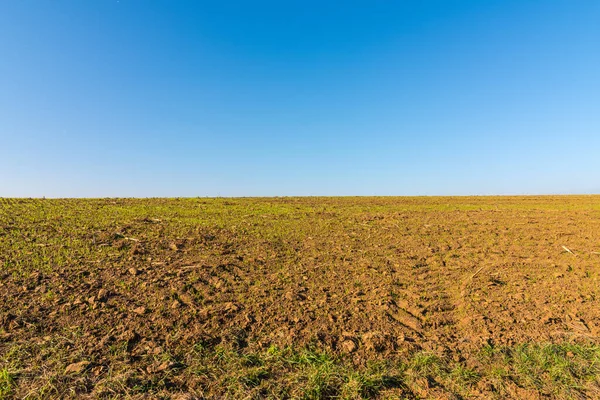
[
  {"x": 77, "y": 368},
  {"x": 374, "y": 341},
  {"x": 102, "y": 295},
  {"x": 140, "y": 310},
  {"x": 349, "y": 346}
]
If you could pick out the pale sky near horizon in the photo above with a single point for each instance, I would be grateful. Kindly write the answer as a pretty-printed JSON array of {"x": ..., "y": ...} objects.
[{"x": 269, "y": 98}]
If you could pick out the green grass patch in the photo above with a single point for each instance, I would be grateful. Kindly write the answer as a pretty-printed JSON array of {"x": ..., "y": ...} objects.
[{"x": 6, "y": 383}]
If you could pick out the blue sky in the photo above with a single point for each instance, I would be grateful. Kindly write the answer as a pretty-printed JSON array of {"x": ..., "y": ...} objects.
[{"x": 263, "y": 98}]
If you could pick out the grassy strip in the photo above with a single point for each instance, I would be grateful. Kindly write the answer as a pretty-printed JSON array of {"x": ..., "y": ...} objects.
[
  {"x": 562, "y": 371},
  {"x": 558, "y": 370}
]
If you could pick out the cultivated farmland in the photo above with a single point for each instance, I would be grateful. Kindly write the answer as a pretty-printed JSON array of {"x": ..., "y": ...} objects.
[{"x": 375, "y": 297}]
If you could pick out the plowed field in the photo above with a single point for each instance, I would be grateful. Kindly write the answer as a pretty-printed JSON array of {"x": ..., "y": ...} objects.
[{"x": 408, "y": 297}]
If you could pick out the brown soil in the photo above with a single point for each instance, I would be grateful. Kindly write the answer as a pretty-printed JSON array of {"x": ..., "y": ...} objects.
[{"x": 370, "y": 278}]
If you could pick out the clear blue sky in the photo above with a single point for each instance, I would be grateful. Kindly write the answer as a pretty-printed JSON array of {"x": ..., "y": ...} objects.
[{"x": 228, "y": 98}]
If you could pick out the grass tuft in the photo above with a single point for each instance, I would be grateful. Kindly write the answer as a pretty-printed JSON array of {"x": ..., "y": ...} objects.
[{"x": 6, "y": 383}]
